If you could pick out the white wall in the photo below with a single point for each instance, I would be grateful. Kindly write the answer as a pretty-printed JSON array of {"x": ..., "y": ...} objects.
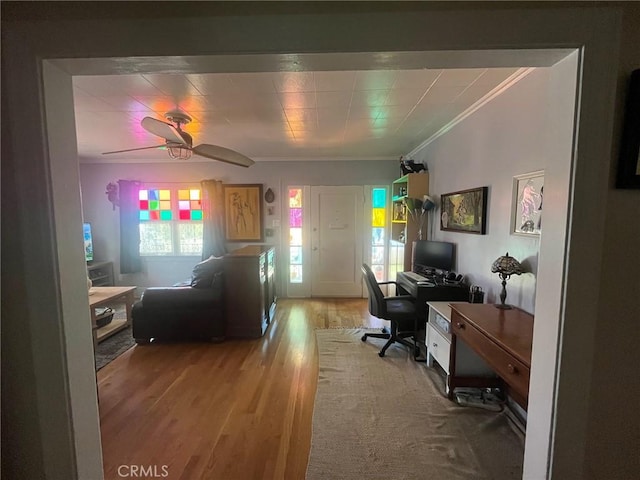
[
  {"x": 502, "y": 139},
  {"x": 159, "y": 271}
]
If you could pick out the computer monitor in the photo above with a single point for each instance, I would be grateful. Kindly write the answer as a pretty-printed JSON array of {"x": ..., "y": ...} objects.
[{"x": 432, "y": 256}]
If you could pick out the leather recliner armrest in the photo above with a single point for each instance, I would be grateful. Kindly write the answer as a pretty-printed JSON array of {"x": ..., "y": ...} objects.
[{"x": 180, "y": 297}]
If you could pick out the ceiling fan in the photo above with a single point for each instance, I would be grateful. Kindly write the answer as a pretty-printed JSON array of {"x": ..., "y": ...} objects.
[{"x": 179, "y": 144}]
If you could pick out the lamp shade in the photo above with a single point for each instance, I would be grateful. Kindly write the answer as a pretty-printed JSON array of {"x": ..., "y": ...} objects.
[{"x": 507, "y": 266}]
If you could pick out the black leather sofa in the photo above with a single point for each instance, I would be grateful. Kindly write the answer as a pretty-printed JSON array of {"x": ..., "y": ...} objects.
[{"x": 192, "y": 312}]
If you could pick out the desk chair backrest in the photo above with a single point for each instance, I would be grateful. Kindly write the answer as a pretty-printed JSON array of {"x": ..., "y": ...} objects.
[{"x": 377, "y": 304}]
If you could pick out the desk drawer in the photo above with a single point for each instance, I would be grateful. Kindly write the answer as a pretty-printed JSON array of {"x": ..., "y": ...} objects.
[
  {"x": 439, "y": 347},
  {"x": 512, "y": 371}
]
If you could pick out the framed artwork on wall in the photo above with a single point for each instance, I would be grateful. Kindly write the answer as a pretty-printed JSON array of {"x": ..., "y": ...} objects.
[
  {"x": 629, "y": 161},
  {"x": 526, "y": 204},
  {"x": 243, "y": 221},
  {"x": 465, "y": 211}
]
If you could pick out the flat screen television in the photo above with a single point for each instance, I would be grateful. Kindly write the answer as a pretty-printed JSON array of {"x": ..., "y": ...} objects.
[
  {"x": 88, "y": 242},
  {"x": 432, "y": 256}
]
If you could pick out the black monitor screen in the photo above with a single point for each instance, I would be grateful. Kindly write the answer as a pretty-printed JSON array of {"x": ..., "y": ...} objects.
[{"x": 432, "y": 255}]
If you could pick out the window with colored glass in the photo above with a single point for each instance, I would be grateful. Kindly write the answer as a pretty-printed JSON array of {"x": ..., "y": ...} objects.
[
  {"x": 295, "y": 235},
  {"x": 170, "y": 221},
  {"x": 378, "y": 234}
]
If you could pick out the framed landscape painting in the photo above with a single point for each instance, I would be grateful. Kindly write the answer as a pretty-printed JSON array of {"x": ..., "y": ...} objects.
[
  {"x": 465, "y": 211},
  {"x": 526, "y": 206},
  {"x": 243, "y": 220}
]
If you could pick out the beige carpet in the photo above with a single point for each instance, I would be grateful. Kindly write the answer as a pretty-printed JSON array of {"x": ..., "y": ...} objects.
[{"x": 389, "y": 418}]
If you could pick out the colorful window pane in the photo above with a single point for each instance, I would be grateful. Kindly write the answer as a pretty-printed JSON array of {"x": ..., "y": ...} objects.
[
  {"x": 378, "y": 221},
  {"x": 379, "y": 197},
  {"x": 295, "y": 198},
  {"x": 295, "y": 273},
  {"x": 170, "y": 227},
  {"x": 189, "y": 205},
  {"x": 295, "y": 236},
  {"x": 377, "y": 236},
  {"x": 377, "y": 255},
  {"x": 378, "y": 216},
  {"x": 154, "y": 204},
  {"x": 295, "y": 217},
  {"x": 295, "y": 255}
]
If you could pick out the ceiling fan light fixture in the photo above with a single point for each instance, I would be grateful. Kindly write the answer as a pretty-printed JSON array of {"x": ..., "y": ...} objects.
[{"x": 179, "y": 152}]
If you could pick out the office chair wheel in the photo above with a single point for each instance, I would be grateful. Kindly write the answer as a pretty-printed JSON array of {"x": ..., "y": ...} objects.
[
  {"x": 364, "y": 338},
  {"x": 381, "y": 354},
  {"x": 416, "y": 352}
]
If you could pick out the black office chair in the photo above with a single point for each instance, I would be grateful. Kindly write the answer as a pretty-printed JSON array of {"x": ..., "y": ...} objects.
[{"x": 400, "y": 311}]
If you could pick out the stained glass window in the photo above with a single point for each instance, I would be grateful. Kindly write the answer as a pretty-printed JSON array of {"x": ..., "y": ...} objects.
[
  {"x": 295, "y": 235},
  {"x": 378, "y": 234},
  {"x": 170, "y": 221}
]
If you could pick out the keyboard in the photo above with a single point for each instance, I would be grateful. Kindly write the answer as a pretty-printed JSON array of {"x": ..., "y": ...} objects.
[{"x": 416, "y": 276}]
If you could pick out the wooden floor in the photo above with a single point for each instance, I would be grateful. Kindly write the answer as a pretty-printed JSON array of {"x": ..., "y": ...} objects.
[{"x": 240, "y": 409}]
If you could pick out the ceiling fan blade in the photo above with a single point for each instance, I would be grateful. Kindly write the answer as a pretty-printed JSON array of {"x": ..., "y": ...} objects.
[
  {"x": 133, "y": 149},
  {"x": 162, "y": 129},
  {"x": 222, "y": 154}
]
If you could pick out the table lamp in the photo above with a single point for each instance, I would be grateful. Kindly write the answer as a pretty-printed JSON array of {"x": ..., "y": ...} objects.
[{"x": 505, "y": 266}]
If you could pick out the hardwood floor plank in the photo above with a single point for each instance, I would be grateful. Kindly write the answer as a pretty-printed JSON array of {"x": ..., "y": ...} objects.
[{"x": 239, "y": 409}]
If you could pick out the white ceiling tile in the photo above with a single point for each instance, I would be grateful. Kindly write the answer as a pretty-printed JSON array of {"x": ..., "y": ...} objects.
[
  {"x": 405, "y": 96},
  {"x": 363, "y": 111},
  {"x": 175, "y": 85},
  {"x": 332, "y": 116},
  {"x": 442, "y": 94},
  {"x": 294, "y": 82},
  {"x": 210, "y": 118},
  {"x": 415, "y": 79},
  {"x": 374, "y": 79},
  {"x": 495, "y": 76},
  {"x": 163, "y": 103},
  {"x": 212, "y": 83},
  {"x": 91, "y": 104},
  {"x": 371, "y": 98},
  {"x": 301, "y": 114},
  {"x": 298, "y": 100},
  {"x": 394, "y": 111},
  {"x": 334, "y": 98},
  {"x": 335, "y": 81},
  {"x": 103, "y": 85},
  {"x": 254, "y": 82},
  {"x": 459, "y": 76},
  {"x": 125, "y": 104}
]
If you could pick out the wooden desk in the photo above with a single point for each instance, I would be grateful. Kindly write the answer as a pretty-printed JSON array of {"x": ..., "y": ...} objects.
[
  {"x": 105, "y": 296},
  {"x": 502, "y": 338}
]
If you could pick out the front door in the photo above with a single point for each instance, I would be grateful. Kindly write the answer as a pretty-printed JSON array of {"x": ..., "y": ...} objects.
[{"x": 336, "y": 241}]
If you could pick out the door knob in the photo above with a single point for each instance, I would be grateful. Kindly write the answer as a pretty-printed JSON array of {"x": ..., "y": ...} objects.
[{"x": 315, "y": 248}]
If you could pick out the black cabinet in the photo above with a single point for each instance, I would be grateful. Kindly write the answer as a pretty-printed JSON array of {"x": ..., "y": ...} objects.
[{"x": 250, "y": 292}]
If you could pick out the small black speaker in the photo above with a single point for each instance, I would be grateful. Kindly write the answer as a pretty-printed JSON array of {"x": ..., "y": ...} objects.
[{"x": 476, "y": 295}]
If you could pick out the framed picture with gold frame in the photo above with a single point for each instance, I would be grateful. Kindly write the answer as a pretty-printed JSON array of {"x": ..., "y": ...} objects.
[{"x": 243, "y": 219}]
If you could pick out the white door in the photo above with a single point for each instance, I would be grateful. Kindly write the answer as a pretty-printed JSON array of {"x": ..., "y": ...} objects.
[{"x": 336, "y": 241}]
